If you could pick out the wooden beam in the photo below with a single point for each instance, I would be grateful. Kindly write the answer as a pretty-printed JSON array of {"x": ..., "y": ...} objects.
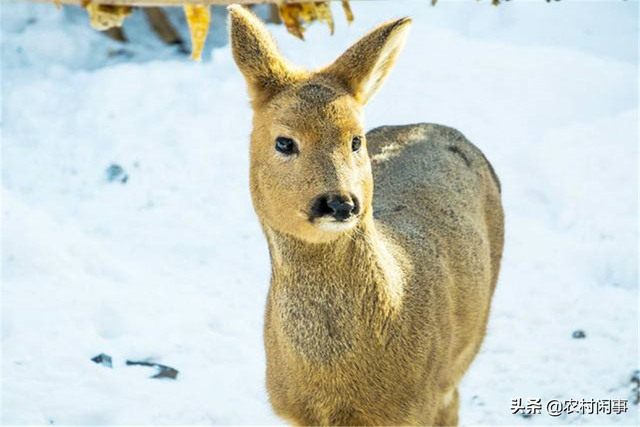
[{"x": 167, "y": 3}]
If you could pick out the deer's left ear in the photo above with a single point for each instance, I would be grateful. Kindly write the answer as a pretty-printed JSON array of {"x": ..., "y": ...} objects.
[{"x": 365, "y": 65}]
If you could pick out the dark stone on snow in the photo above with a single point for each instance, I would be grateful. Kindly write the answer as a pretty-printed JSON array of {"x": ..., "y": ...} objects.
[
  {"x": 163, "y": 370},
  {"x": 120, "y": 53},
  {"x": 103, "y": 359},
  {"x": 116, "y": 173},
  {"x": 635, "y": 391},
  {"x": 579, "y": 334}
]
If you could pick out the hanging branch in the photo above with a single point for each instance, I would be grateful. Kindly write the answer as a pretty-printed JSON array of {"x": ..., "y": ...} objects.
[{"x": 109, "y": 15}]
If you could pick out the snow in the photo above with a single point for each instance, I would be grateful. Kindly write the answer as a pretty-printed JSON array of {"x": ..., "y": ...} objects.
[{"x": 172, "y": 266}]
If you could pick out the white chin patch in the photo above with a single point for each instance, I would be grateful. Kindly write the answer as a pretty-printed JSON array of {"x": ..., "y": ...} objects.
[{"x": 336, "y": 225}]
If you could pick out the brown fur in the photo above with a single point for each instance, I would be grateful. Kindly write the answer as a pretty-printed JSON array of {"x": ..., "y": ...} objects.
[{"x": 374, "y": 324}]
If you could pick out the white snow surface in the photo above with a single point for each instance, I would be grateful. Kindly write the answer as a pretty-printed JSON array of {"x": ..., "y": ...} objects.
[{"x": 172, "y": 266}]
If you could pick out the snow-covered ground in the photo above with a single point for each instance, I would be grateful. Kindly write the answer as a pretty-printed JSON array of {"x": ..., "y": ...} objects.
[{"x": 172, "y": 265}]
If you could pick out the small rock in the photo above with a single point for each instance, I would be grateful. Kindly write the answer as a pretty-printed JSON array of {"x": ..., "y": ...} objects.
[
  {"x": 103, "y": 359},
  {"x": 163, "y": 370},
  {"x": 116, "y": 173},
  {"x": 476, "y": 400},
  {"x": 579, "y": 334},
  {"x": 120, "y": 53},
  {"x": 635, "y": 391}
]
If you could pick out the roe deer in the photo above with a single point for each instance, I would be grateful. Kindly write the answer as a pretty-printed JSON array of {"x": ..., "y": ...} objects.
[{"x": 379, "y": 299}]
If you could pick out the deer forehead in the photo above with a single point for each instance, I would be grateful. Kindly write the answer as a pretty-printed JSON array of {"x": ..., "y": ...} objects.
[{"x": 314, "y": 114}]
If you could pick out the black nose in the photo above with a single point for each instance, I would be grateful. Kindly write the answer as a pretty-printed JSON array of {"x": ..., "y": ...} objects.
[{"x": 339, "y": 206}]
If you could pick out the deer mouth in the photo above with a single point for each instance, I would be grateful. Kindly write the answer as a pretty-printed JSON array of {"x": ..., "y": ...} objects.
[{"x": 332, "y": 224}]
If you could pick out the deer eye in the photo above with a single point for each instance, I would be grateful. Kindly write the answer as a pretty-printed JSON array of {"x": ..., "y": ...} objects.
[
  {"x": 356, "y": 143},
  {"x": 285, "y": 145}
]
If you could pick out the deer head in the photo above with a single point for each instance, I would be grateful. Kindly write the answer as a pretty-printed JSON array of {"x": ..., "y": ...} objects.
[{"x": 310, "y": 170}]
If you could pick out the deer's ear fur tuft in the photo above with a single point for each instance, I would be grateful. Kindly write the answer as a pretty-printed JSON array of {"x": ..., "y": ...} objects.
[
  {"x": 365, "y": 65},
  {"x": 257, "y": 55}
]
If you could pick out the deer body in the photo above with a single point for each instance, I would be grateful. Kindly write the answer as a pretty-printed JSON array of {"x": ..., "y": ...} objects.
[{"x": 377, "y": 305}]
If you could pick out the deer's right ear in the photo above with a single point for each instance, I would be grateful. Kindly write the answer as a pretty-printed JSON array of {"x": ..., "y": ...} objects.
[{"x": 257, "y": 55}]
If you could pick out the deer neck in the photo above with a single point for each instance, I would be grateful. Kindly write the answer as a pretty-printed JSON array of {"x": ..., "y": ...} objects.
[{"x": 324, "y": 295}]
